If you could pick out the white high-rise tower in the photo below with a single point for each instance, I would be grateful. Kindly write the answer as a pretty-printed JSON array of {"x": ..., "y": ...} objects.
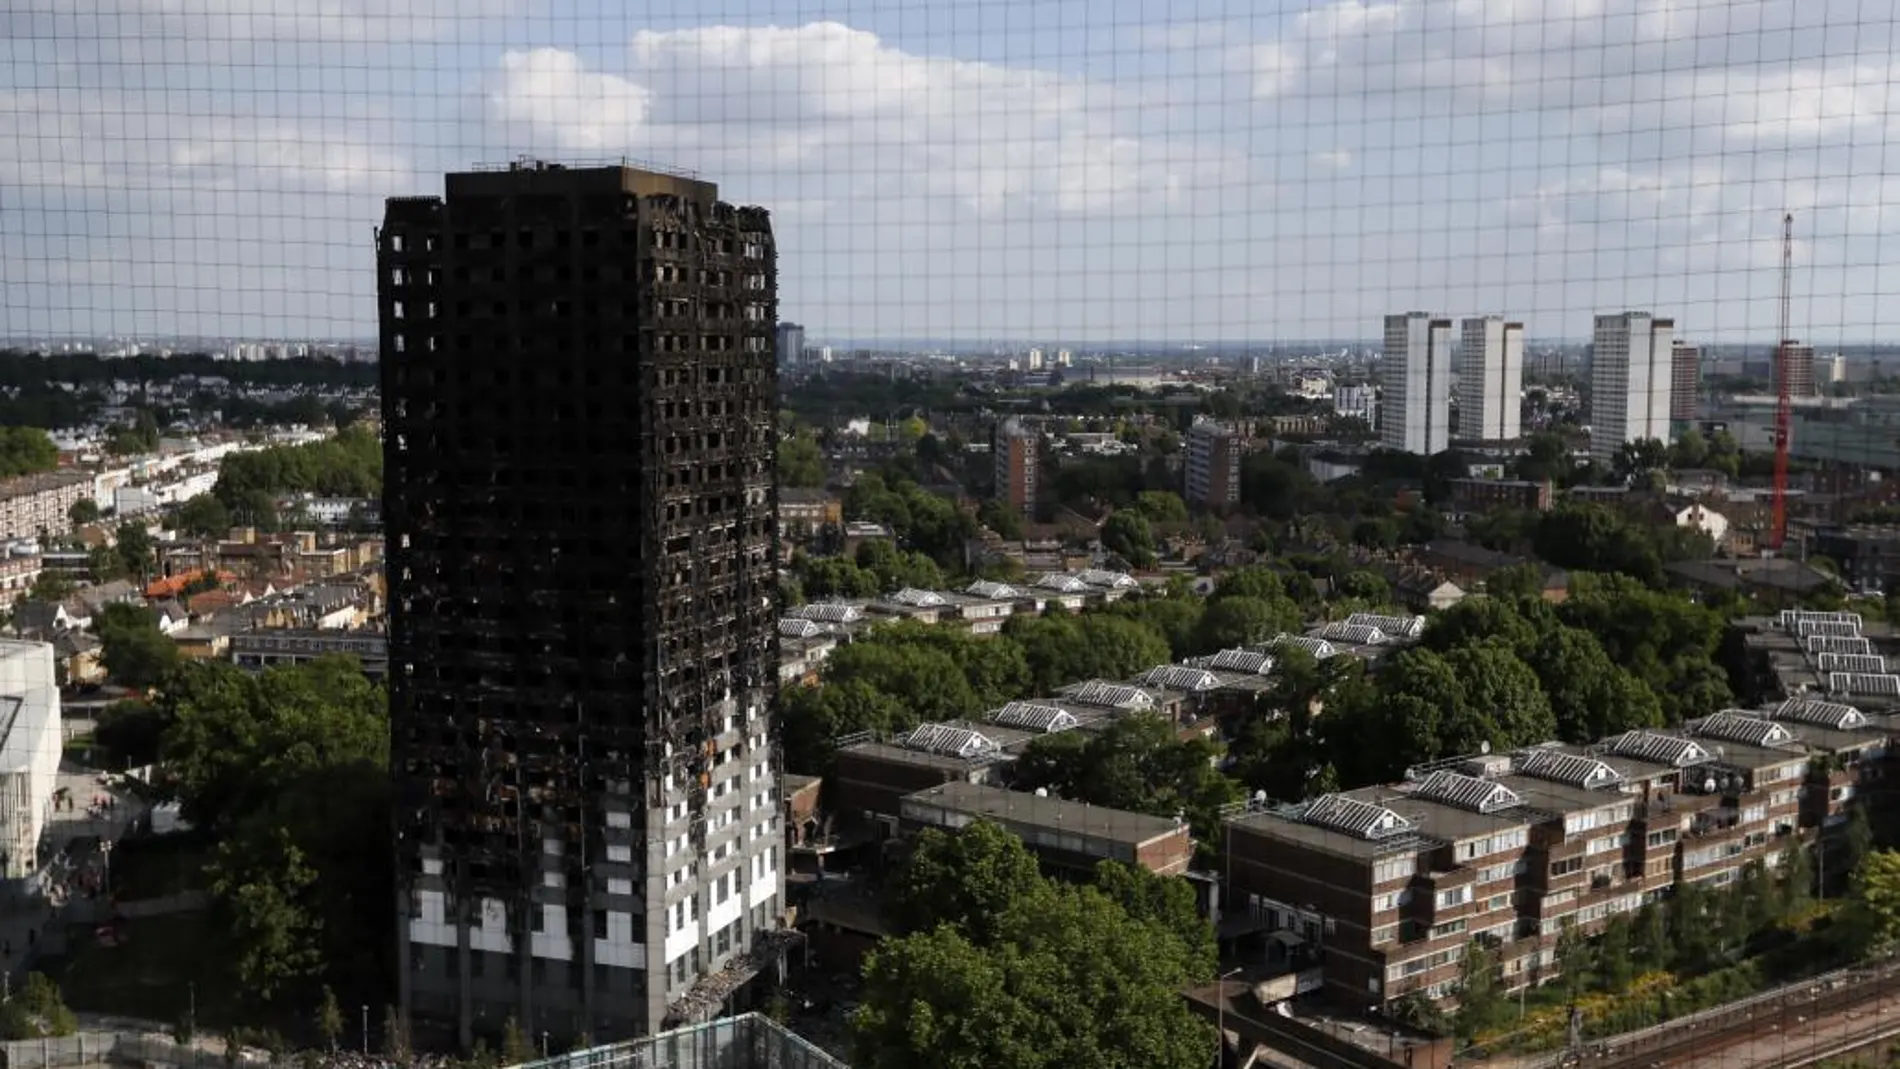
[
  {"x": 1415, "y": 384},
  {"x": 1631, "y": 376},
  {"x": 1490, "y": 379}
]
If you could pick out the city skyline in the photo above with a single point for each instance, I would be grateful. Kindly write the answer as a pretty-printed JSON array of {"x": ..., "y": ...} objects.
[{"x": 976, "y": 170}]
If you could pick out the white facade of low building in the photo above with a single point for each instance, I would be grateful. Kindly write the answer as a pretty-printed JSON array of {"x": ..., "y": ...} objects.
[{"x": 29, "y": 753}]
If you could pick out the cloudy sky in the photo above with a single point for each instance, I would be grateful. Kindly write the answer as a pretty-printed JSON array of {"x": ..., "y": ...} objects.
[{"x": 1061, "y": 170}]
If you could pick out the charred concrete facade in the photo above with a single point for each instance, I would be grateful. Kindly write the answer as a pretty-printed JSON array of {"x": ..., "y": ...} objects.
[{"x": 579, "y": 391}]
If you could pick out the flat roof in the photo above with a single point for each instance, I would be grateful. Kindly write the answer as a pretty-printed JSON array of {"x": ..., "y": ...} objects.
[
  {"x": 1019, "y": 807},
  {"x": 29, "y": 702}
]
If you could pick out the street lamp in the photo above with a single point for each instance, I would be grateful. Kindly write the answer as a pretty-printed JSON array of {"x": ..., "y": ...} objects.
[{"x": 1220, "y": 1015}]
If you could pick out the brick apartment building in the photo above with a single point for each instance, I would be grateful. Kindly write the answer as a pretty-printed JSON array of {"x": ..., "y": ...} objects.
[
  {"x": 33, "y": 506},
  {"x": 1511, "y": 848},
  {"x": 1213, "y": 464},
  {"x": 1480, "y": 495}
]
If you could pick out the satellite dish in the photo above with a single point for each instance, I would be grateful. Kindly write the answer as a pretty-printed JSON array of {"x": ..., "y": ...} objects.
[
  {"x": 1708, "y": 785},
  {"x": 1484, "y": 747},
  {"x": 1042, "y": 792},
  {"x": 1260, "y": 796}
]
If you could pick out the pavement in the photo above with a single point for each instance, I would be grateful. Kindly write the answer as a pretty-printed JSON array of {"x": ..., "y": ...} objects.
[{"x": 75, "y": 871}]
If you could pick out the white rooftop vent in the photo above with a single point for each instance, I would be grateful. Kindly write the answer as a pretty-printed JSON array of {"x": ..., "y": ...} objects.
[
  {"x": 1030, "y": 716},
  {"x": 1350, "y": 816},
  {"x": 829, "y": 612},
  {"x": 1062, "y": 583},
  {"x": 793, "y": 627},
  {"x": 1658, "y": 749},
  {"x": 1864, "y": 663},
  {"x": 1792, "y": 619},
  {"x": 1818, "y": 644},
  {"x": 983, "y": 588},
  {"x": 1353, "y": 634},
  {"x": 1318, "y": 647},
  {"x": 1822, "y": 714},
  {"x": 1111, "y": 695},
  {"x": 945, "y": 740},
  {"x": 1734, "y": 725},
  {"x": 1393, "y": 626},
  {"x": 1466, "y": 792},
  {"x": 1247, "y": 661},
  {"x": 1883, "y": 685},
  {"x": 1111, "y": 580},
  {"x": 1574, "y": 770},
  {"x": 1181, "y": 677},
  {"x": 922, "y": 599}
]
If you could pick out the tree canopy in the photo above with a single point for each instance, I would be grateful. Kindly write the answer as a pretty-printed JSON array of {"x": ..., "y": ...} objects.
[
  {"x": 135, "y": 652},
  {"x": 26, "y": 451},
  {"x": 349, "y": 464},
  {"x": 1051, "y": 975},
  {"x": 287, "y": 768}
]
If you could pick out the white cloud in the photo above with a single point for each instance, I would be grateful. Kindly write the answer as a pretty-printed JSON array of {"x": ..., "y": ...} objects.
[
  {"x": 547, "y": 91},
  {"x": 227, "y": 23},
  {"x": 131, "y": 143},
  {"x": 828, "y": 103}
]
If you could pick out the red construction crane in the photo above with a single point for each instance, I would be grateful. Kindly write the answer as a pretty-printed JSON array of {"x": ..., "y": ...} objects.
[{"x": 1784, "y": 408}]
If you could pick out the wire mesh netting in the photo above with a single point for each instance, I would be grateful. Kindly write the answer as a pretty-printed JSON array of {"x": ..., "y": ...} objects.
[{"x": 982, "y": 172}]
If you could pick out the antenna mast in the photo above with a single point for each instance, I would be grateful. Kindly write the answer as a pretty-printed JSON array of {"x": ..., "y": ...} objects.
[{"x": 1784, "y": 407}]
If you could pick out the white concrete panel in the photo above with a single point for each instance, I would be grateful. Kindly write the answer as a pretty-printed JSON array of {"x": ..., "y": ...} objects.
[
  {"x": 430, "y": 929},
  {"x": 681, "y": 942},
  {"x": 621, "y": 947},
  {"x": 724, "y": 913},
  {"x": 553, "y": 941},
  {"x": 491, "y": 934}
]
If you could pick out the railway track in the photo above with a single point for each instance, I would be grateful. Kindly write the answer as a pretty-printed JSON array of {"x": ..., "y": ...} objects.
[{"x": 1830, "y": 1014}]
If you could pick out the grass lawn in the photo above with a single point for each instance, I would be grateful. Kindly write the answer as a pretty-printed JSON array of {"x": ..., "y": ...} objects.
[
  {"x": 151, "y": 866},
  {"x": 154, "y": 973}
]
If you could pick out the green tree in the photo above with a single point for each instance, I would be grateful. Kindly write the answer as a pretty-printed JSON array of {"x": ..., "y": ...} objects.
[
  {"x": 515, "y": 1048},
  {"x": 1161, "y": 506},
  {"x": 1480, "y": 991},
  {"x": 1071, "y": 979},
  {"x": 1857, "y": 839},
  {"x": 1128, "y": 535},
  {"x": 1000, "y": 516},
  {"x": 236, "y": 740},
  {"x": 1614, "y": 958},
  {"x": 1166, "y": 901},
  {"x": 1877, "y": 884},
  {"x": 131, "y": 730},
  {"x": 204, "y": 516},
  {"x": 1635, "y": 461},
  {"x": 137, "y": 551},
  {"x": 1575, "y": 961},
  {"x": 967, "y": 878},
  {"x": 84, "y": 511},
  {"x": 1797, "y": 880},
  {"x": 329, "y": 1019},
  {"x": 1136, "y": 763},
  {"x": 1591, "y": 697},
  {"x": 51, "y": 586},
  {"x": 135, "y": 652},
  {"x": 800, "y": 462},
  {"x": 836, "y": 577},
  {"x": 1650, "y": 944},
  {"x": 37, "y": 1009},
  {"x": 26, "y": 451},
  {"x": 1060, "y": 650},
  {"x": 1230, "y": 622},
  {"x": 263, "y": 885}
]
